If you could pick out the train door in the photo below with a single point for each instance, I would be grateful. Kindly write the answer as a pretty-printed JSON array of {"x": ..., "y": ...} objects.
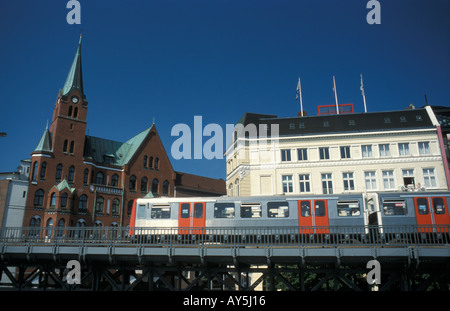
[
  {"x": 431, "y": 211},
  {"x": 191, "y": 215},
  {"x": 313, "y": 214}
]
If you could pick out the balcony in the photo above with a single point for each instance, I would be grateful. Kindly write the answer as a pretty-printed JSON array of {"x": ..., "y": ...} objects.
[{"x": 106, "y": 189}]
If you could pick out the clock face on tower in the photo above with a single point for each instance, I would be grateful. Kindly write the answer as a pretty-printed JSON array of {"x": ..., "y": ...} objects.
[{"x": 75, "y": 100}]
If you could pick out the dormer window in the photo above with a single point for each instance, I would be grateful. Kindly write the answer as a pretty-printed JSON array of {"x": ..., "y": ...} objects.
[{"x": 108, "y": 159}]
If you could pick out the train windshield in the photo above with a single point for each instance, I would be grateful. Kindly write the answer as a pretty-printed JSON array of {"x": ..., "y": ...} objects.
[{"x": 394, "y": 207}]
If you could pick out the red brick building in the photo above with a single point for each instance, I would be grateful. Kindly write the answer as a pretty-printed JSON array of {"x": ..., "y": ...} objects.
[{"x": 81, "y": 180}]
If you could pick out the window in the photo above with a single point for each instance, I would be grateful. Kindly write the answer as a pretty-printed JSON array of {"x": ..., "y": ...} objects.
[
  {"x": 43, "y": 170},
  {"x": 155, "y": 185},
  {"x": 115, "y": 207},
  {"x": 348, "y": 208},
  {"x": 99, "y": 178},
  {"x": 439, "y": 206},
  {"x": 287, "y": 183},
  {"x": 65, "y": 146},
  {"x": 304, "y": 183},
  {"x": 185, "y": 210},
  {"x": 345, "y": 152},
  {"x": 250, "y": 210},
  {"x": 86, "y": 176},
  {"x": 165, "y": 187},
  {"x": 285, "y": 155},
  {"x": 115, "y": 180},
  {"x": 82, "y": 204},
  {"x": 53, "y": 199},
  {"x": 370, "y": 180},
  {"x": 305, "y": 208},
  {"x": 366, "y": 151},
  {"x": 422, "y": 206},
  {"x": 145, "y": 161},
  {"x": 99, "y": 205},
  {"x": 63, "y": 202},
  {"x": 292, "y": 126},
  {"x": 198, "y": 210},
  {"x": 160, "y": 211},
  {"x": 39, "y": 197},
  {"x": 408, "y": 177},
  {"x": 71, "y": 173},
  {"x": 277, "y": 209},
  {"x": 388, "y": 180},
  {"x": 324, "y": 153},
  {"x": 35, "y": 171},
  {"x": 144, "y": 184},
  {"x": 132, "y": 185},
  {"x": 349, "y": 183},
  {"x": 72, "y": 146},
  {"x": 59, "y": 168},
  {"x": 327, "y": 183},
  {"x": 424, "y": 148},
  {"x": 319, "y": 208},
  {"x": 429, "y": 178},
  {"x": 141, "y": 211},
  {"x": 224, "y": 210},
  {"x": 150, "y": 162},
  {"x": 403, "y": 149},
  {"x": 302, "y": 154},
  {"x": 384, "y": 150},
  {"x": 75, "y": 112},
  {"x": 157, "y": 164},
  {"x": 394, "y": 207}
]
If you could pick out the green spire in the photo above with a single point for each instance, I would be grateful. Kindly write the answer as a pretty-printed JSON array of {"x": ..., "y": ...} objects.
[{"x": 75, "y": 77}]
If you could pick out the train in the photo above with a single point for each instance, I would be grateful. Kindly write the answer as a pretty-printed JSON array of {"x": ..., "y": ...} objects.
[{"x": 423, "y": 212}]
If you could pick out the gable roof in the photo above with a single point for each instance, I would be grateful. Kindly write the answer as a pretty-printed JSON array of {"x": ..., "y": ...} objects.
[{"x": 112, "y": 152}]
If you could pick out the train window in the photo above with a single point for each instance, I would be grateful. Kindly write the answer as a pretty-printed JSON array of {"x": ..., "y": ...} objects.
[
  {"x": 224, "y": 210},
  {"x": 277, "y": 209},
  {"x": 160, "y": 211},
  {"x": 141, "y": 212},
  {"x": 394, "y": 207},
  {"x": 250, "y": 210},
  {"x": 422, "y": 206},
  {"x": 348, "y": 208},
  {"x": 439, "y": 206},
  {"x": 305, "y": 208},
  {"x": 198, "y": 210},
  {"x": 319, "y": 208},
  {"x": 185, "y": 210}
]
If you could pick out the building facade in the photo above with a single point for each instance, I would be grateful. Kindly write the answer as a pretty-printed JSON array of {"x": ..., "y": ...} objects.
[
  {"x": 344, "y": 153},
  {"x": 82, "y": 180}
]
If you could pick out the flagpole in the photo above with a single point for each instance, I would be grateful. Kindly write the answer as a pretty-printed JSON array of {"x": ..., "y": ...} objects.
[
  {"x": 299, "y": 94},
  {"x": 363, "y": 95},
  {"x": 335, "y": 95}
]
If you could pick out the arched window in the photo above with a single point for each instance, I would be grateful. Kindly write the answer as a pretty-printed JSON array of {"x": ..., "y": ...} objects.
[
  {"x": 72, "y": 145},
  {"x": 155, "y": 185},
  {"x": 145, "y": 161},
  {"x": 86, "y": 176},
  {"x": 65, "y": 146},
  {"x": 53, "y": 199},
  {"x": 115, "y": 206},
  {"x": 165, "y": 188},
  {"x": 236, "y": 183},
  {"x": 115, "y": 180},
  {"x": 150, "y": 162},
  {"x": 157, "y": 164},
  {"x": 82, "y": 204},
  {"x": 133, "y": 183},
  {"x": 39, "y": 197},
  {"x": 144, "y": 184},
  {"x": 35, "y": 169},
  {"x": 230, "y": 190},
  {"x": 43, "y": 169},
  {"x": 49, "y": 227},
  {"x": 60, "y": 229},
  {"x": 35, "y": 221},
  {"x": 99, "y": 205},
  {"x": 71, "y": 173},
  {"x": 63, "y": 202},
  {"x": 70, "y": 111},
  {"x": 59, "y": 169},
  {"x": 99, "y": 178},
  {"x": 75, "y": 112}
]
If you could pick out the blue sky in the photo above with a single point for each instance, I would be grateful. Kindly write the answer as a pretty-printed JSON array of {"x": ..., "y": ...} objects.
[{"x": 172, "y": 60}]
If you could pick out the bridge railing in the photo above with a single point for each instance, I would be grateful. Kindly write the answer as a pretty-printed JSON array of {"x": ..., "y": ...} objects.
[{"x": 228, "y": 237}]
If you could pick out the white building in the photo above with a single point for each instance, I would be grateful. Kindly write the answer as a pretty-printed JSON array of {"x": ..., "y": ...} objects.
[{"x": 345, "y": 153}]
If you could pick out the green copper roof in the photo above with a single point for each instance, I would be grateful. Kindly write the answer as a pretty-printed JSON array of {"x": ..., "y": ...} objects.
[
  {"x": 62, "y": 185},
  {"x": 112, "y": 152},
  {"x": 45, "y": 143},
  {"x": 75, "y": 76}
]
